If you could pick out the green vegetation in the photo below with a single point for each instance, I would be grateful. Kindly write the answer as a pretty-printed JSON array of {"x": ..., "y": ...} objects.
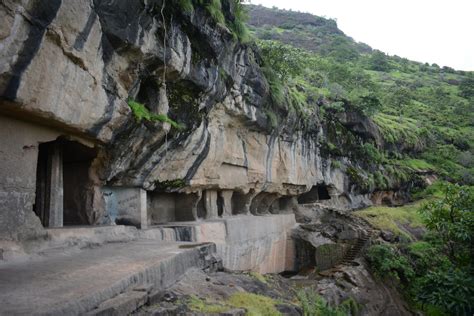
[
  {"x": 437, "y": 273},
  {"x": 202, "y": 306},
  {"x": 466, "y": 87},
  {"x": 170, "y": 184},
  {"x": 260, "y": 305},
  {"x": 314, "y": 305},
  {"x": 415, "y": 164},
  {"x": 452, "y": 220},
  {"x": 425, "y": 115},
  {"x": 254, "y": 304},
  {"x": 397, "y": 129},
  {"x": 186, "y": 5},
  {"x": 388, "y": 263},
  {"x": 394, "y": 218},
  {"x": 424, "y": 112},
  {"x": 238, "y": 25},
  {"x": 142, "y": 113},
  {"x": 258, "y": 276},
  {"x": 236, "y": 21}
]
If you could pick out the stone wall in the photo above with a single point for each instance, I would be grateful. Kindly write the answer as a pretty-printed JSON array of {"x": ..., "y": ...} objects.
[
  {"x": 245, "y": 243},
  {"x": 18, "y": 156}
]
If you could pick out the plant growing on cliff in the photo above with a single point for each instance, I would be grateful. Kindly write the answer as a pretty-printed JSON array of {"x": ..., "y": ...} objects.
[
  {"x": 314, "y": 305},
  {"x": 142, "y": 113},
  {"x": 236, "y": 22},
  {"x": 169, "y": 184},
  {"x": 238, "y": 25},
  {"x": 214, "y": 7},
  {"x": 186, "y": 5}
]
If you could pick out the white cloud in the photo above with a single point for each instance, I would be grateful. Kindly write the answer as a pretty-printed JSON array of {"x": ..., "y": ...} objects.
[{"x": 436, "y": 31}]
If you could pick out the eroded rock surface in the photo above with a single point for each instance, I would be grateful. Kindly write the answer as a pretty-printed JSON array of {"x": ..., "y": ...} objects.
[{"x": 72, "y": 66}]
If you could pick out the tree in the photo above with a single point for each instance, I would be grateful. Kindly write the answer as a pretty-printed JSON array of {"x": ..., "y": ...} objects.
[
  {"x": 285, "y": 60},
  {"x": 466, "y": 88},
  {"x": 379, "y": 61},
  {"x": 398, "y": 97},
  {"x": 452, "y": 220},
  {"x": 451, "y": 290},
  {"x": 365, "y": 100}
]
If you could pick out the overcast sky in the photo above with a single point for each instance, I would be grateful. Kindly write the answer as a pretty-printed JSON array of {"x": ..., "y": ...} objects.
[{"x": 434, "y": 31}]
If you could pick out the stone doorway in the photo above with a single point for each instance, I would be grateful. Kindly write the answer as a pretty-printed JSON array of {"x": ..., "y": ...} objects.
[{"x": 62, "y": 183}]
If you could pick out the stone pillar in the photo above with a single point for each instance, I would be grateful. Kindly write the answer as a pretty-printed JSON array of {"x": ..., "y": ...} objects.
[
  {"x": 248, "y": 202},
  {"x": 210, "y": 203},
  {"x": 56, "y": 191},
  {"x": 142, "y": 205},
  {"x": 226, "y": 196}
]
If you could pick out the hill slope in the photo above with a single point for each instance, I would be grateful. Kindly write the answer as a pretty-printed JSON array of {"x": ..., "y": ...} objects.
[{"x": 425, "y": 113}]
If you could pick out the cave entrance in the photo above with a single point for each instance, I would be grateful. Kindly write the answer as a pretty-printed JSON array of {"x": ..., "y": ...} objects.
[
  {"x": 239, "y": 202},
  {"x": 317, "y": 193},
  {"x": 166, "y": 207},
  {"x": 62, "y": 182}
]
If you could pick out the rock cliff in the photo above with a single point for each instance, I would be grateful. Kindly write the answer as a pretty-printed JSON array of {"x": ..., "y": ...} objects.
[{"x": 71, "y": 66}]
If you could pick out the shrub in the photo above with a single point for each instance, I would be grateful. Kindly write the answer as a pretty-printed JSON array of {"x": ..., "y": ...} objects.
[
  {"x": 451, "y": 290},
  {"x": 238, "y": 26},
  {"x": 214, "y": 7},
  {"x": 314, "y": 305},
  {"x": 285, "y": 60},
  {"x": 386, "y": 263}
]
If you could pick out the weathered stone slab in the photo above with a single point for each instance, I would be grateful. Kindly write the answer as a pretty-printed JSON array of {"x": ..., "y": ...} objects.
[{"x": 77, "y": 283}]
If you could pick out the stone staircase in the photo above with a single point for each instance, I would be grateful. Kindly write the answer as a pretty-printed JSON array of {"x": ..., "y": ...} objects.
[{"x": 356, "y": 249}]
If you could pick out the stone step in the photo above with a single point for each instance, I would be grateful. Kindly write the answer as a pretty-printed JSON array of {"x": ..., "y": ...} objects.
[
  {"x": 354, "y": 251},
  {"x": 92, "y": 234},
  {"x": 121, "y": 305}
]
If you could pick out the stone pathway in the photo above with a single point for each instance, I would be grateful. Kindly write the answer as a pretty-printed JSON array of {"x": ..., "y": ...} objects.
[{"x": 76, "y": 283}]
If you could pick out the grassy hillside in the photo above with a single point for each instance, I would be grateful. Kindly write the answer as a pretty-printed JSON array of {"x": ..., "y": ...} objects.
[{"x": 425, "y": 113}]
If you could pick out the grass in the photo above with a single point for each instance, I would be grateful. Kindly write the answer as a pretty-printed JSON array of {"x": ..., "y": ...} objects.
[
  {"x": 415, "y": 164},
  {"x": 434, "y": 191},
  {"x": 258, "y": 276},
  {"x": 314, "y": 305},
  {"x": 390, "y": 218},
  {"x": 197, "y": 304},
  {"x": 398, "y": 129},
  {"x": 186, "y": 6},
  {"x": 214, "y": 7},
  {"x": 254, "y": 304}
]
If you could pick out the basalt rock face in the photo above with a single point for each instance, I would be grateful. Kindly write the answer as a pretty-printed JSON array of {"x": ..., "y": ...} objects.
[{"x": 72, "y": 65}]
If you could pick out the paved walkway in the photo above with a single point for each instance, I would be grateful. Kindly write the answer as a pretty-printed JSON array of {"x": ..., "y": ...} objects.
[{"x": 69, "y": 284}]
